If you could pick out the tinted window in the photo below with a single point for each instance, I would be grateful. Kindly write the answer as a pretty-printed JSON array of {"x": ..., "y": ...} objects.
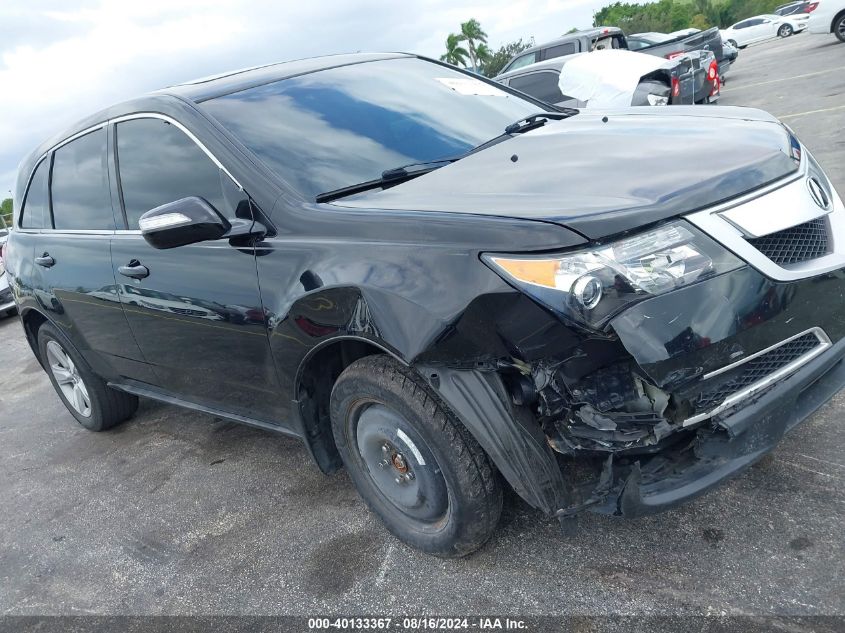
[
  {"x": 541, "y": 86},
  {"x": 36, "y": 212},
  {"x": 158, "y": 164},
  {"x": 560, "y": 50},
  {"x": 79, "y": 185},
  {"x": 341, "y": 126},
  {"x": 636, "y": 44},
  {"x": 742, "y": 25},
  {"x": 524, "y": 60}
]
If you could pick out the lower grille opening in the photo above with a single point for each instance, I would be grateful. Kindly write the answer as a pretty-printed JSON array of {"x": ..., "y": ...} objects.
[
  {"x": 796, "y": 244},
  {"x": 757, "y": 373}
]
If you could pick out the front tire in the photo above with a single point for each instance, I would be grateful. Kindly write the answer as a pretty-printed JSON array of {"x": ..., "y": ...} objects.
[
  {"x": 412, "y": 461},
  {"x": 95, "y": 405},
  {"x": 734, "y": 44},
  {"x": 785, "y": 31}
]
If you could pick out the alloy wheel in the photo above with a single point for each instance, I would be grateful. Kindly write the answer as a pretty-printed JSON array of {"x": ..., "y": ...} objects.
[{"x": 68, "y": 379}]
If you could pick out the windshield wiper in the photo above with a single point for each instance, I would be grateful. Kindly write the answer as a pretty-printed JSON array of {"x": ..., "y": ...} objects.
[{"x": 396, "y": 175}]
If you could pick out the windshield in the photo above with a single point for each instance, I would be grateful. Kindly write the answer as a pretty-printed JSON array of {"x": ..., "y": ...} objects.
[{"x": 342, "y": 126}]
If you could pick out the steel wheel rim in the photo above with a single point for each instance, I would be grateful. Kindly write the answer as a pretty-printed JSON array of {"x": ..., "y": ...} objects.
[
  {"x": 67, "y": 378},
  {"x": 842, "y": 27},
  {"x": 391, "y": 459}
]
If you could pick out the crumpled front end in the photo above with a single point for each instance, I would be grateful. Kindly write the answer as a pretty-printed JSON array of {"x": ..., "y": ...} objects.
[{"x": 682, "y": 390}]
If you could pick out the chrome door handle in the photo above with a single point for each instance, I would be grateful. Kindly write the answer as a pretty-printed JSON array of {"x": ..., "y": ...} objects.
[
  {"x": 135, "y": 270},
  {"x": 45, "y": 260}
]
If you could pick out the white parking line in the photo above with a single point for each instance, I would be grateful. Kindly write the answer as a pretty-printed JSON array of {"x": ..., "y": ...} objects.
[
  {"x": 790, "y": 116},
  {"x": 775, "y": 81}
]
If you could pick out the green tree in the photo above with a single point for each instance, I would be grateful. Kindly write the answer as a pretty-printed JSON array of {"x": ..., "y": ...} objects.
[
  {"x": 505, "y": 53},
  {"x": 483, "y": 55},
  {"x": 6, "y": 211},
  {"x": 472, "y": 32},
  {"x": 455, "y": 53}
]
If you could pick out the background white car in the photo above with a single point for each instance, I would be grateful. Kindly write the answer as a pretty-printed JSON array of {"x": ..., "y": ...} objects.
[
  {"x": 829, "y": 17},
  {"x": 764, "y": 27}
]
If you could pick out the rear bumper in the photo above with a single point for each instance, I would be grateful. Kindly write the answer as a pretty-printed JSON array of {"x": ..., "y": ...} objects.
[{"x": 727, "y": 446}]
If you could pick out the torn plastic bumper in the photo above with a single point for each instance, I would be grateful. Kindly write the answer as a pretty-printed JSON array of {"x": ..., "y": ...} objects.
[{"x": 733, "y": 442}]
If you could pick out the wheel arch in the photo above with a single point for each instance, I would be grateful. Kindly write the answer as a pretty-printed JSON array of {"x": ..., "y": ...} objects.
[
  {"x": 835, "y": 19},
  {"x": 32, "y": 321},
  {"x": 315, "y": 378}
]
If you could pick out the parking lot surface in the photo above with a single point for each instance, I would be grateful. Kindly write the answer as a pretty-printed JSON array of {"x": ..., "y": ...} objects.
[{"x": 177, "y": 512}]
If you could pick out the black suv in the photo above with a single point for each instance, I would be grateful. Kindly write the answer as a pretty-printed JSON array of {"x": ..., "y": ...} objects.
[{"x": 440, "y": 284}]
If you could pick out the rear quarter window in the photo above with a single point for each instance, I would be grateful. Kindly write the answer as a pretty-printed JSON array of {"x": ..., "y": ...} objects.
[
  {"x": 540, "y": 85},
  {"x": 36, "y": 211},
  {"x": 79, "y": 186}
]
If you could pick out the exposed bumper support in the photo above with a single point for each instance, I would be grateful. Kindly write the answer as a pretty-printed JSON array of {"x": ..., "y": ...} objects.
[{"x": 737, "y": 441}]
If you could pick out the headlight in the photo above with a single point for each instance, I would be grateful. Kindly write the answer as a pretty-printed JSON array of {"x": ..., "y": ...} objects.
[
  {"x": 591, "y": 286},
  {"x": 657, "y": 100}
]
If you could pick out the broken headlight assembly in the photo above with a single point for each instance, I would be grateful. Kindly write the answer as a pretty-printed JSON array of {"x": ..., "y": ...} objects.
[{"x": 592, "y": 285}]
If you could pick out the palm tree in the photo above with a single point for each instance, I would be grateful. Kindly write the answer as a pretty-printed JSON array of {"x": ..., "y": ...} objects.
[
  {"x": 471, "y": 32},
  {"x": 483, "y": 54},
  {"x": 455, "y": 54}
]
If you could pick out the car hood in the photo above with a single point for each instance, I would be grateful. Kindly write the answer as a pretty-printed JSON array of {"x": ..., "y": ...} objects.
[{"x": 602, "y": 173}]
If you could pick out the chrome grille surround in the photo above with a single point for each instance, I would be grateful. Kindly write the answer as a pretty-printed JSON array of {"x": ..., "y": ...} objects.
[
  {"x": 781, "y": 206},
  {"x": 760, "y": 371}
]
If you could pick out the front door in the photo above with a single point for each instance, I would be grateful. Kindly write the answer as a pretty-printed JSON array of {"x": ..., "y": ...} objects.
[{"x": 195, "y": 310}]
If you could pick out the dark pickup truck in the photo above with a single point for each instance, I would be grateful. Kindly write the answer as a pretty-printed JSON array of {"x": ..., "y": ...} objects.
[{"x": 669, "y": 47}]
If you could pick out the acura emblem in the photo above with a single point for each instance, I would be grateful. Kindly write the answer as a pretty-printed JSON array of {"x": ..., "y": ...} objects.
[{"x": 818, "y": 193}]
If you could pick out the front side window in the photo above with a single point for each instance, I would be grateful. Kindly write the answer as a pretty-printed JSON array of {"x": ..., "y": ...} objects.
[
  {"x": 158, "y": 163},
  {"x": 342, "y": 126},
  {"x": 36, "y": 208},
  {"x": 543, "y": 86},
  {"x": 79, "y": 187},
  {"x": 524, "y": 60}
]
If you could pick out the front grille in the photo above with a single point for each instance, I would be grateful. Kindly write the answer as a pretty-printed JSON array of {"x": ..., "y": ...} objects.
[
  {"x": 757, "y": 369},
  {"x": 795, "y": 244}
]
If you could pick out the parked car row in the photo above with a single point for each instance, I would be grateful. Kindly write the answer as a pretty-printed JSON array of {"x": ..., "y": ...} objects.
[
  {"x": 598, "y": 68},
  {"x": 7, "y": 303}
]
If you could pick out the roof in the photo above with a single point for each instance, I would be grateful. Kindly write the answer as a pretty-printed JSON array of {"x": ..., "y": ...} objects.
[
  {"x": 555, "y": 63},
  {"x": 199, "y": 90},
  {"x": 237, "y": 80}
]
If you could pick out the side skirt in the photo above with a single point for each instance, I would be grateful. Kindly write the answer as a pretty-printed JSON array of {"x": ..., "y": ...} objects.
[{"x": 145, "y": 391}]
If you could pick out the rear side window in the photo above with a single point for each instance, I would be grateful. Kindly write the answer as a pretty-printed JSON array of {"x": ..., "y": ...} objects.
[
  {"x": 543, "y": 86},
  {"x": 560, "y": 50},
  {"x": 36, "y": 210},
  {"x": 79, "y": 186},
  {"x": 158, "y": 163}
]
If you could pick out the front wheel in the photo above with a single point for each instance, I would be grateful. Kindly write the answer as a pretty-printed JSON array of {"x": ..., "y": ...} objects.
[
  {"x": 734, "y": 44},
  {"x": 412, "y": 461},
  {"x": 839, "y": 28},
  {"x": 785, "y": 30},
  {"x": 94, "y": 404}
]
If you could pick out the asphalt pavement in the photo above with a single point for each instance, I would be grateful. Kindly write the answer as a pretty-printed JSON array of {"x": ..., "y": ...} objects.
[{"x": 178, "y": 512}]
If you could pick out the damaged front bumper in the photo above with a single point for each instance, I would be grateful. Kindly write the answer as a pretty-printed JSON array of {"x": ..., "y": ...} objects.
[
  {"x": 732, "y": 442},
  {"x": 685, "y": 391}
]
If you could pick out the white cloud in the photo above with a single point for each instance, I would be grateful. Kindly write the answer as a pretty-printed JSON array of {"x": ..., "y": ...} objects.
[{"x": 60, "y": 64}]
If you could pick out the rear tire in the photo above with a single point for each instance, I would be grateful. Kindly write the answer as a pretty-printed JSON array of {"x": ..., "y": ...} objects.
[
  {"x": 95, "y": 405},
  {"x": 412, "y": 461},
  {"x": 785, "y": 31},
  {"x": 839, "y": 28}
]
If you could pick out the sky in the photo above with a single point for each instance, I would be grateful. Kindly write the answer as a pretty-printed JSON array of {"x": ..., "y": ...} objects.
[{"x": 61, "y": 60}]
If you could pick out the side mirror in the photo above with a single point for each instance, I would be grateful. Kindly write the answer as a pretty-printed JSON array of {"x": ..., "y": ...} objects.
[{"x": 186, "y": 221}]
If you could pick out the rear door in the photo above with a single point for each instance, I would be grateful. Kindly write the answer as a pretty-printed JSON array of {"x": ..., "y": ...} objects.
[
  {"x": 197, "y": 314},
  {"x": 72, "y": 278}
]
